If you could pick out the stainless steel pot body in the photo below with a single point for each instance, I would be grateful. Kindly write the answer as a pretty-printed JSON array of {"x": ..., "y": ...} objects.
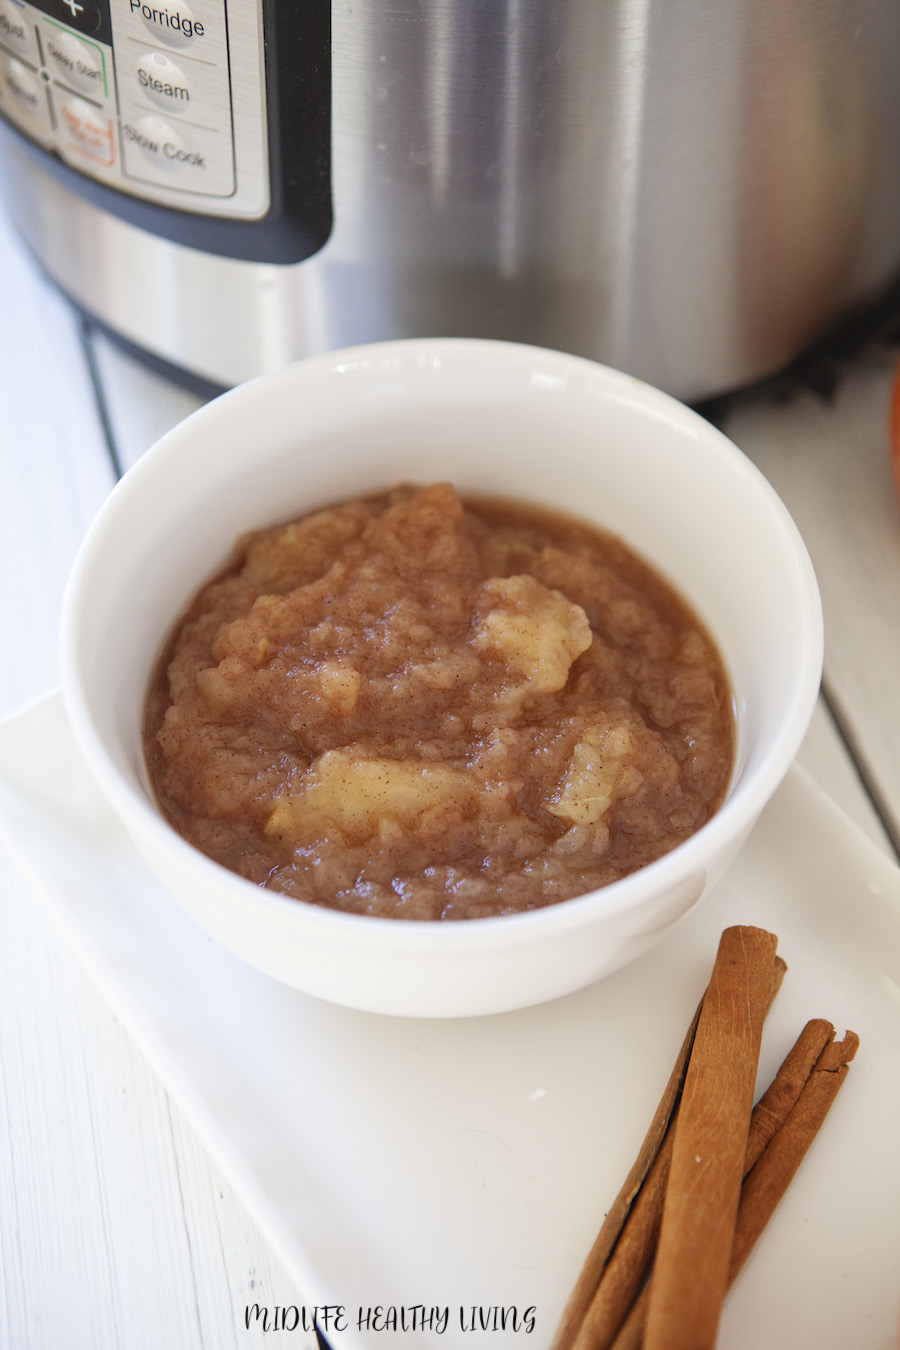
[{"x": 690, "y": 190}]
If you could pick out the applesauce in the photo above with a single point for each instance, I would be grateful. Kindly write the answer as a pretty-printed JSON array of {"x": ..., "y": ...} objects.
[{"x": 416, "y": 706}]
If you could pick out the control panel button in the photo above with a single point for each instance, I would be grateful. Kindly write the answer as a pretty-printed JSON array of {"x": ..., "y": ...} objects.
[
  {"x": 159, "y": 143},
  {"x": 74, "y": 61},
  {"x": 87, "y": 130},
  {"x": 26, "y": 90},
  {"x": 174, "y": 25},
  {"x": 139, "y": 96},
  {"x": 187, "y": 157},
  {"x": 17, "y": 32},
  {"x": 164, "y": 82},
  {"x": 84, "y": 15}
]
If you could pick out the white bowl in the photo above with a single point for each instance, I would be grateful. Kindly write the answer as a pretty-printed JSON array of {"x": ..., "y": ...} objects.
[{"x": 491, "y": 417}]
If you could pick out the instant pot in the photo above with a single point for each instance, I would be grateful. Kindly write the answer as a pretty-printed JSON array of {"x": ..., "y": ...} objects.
[{"x": 691, "y": 190}]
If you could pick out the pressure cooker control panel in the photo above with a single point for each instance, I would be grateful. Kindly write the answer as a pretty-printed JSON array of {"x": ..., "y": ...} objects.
[{"x": 141, "y": 96}]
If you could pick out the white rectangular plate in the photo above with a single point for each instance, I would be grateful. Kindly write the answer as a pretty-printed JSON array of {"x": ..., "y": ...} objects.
[{"x": 468, "y": 1164}]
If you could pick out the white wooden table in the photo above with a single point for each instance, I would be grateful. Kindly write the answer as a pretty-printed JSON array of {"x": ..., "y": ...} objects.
[{"x": 115, "y": 1228}]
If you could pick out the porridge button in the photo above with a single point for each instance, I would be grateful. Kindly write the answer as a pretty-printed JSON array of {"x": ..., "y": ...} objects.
[
  {"x": 163, "y": 82},
  {"x": 172, "y": 24}
]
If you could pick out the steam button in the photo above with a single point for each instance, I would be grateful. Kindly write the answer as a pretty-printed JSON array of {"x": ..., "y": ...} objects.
[
  {"x": 173, "y": 25},
  {"x": 164, "y": 82},
  {"x": 76, "y": 63}
]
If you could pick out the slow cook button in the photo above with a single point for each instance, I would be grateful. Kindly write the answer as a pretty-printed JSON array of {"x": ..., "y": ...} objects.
[
  {"x": 75, "y": 62},
  {"x": 163, "y": 82},
  {"x": 163, "y": 146},
  {"x": 87, "y": 131},
  {"x": 173, "y": 24}
]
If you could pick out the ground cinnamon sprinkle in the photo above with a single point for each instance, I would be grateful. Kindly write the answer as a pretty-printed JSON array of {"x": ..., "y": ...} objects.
[{"x": 711, "y": 1170}]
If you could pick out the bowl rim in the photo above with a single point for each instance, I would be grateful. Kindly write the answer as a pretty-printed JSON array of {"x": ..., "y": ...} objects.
[{"x": 742, "y": 804}]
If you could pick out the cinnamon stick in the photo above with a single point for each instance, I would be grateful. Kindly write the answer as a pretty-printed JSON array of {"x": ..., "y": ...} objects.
[
  {"x": 626, "y": 1271},
  {"x": 597, "y": 1258},
  {"x": 697, "y": 1129},
  {"x": 619, "y": 1260},
  {"x": 767, "y": 1182},
  {"x": 627, "y": 1261},
  {"x": 773, "y": 1107},
  {"x": 814, "y": 1051},
  {"x": 690, "y": 1273}
]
